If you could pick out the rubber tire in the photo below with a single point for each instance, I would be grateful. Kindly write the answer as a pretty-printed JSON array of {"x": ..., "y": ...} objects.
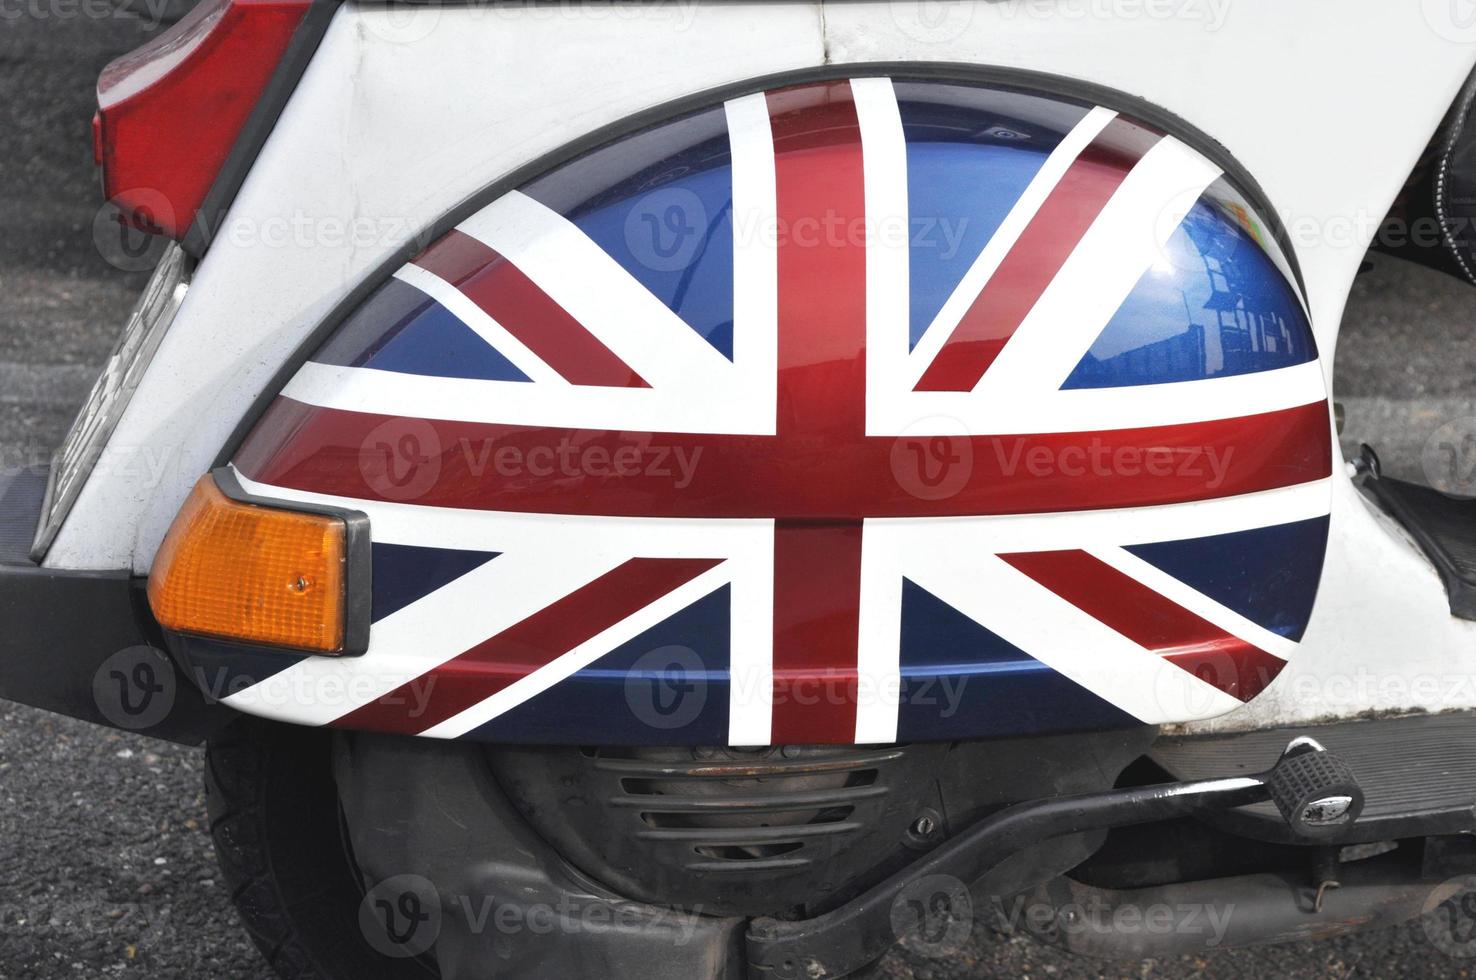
[{"x": 277, "y": 827}]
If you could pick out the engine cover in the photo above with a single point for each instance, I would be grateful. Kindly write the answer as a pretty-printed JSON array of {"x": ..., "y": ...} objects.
[{"x": 855, "y": 410}]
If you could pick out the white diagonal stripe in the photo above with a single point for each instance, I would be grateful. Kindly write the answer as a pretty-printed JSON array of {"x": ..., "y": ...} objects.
[
  {"x": 469, "y": 313},
  {"x": 424, "y": 635},
  {"x": 1069, "y": 641},
  {"x": 1195, "y": 601},
  {"x": 586, "y": 653},
  {"x": 1122, "y": 244},
  {"x": 597, "y": 292},
  {"x": 543, "y": 558},
  {"x": 999, "y": 246}
]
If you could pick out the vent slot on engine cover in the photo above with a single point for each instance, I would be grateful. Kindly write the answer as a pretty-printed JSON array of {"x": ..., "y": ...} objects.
[{"x": 735, "y": 831}]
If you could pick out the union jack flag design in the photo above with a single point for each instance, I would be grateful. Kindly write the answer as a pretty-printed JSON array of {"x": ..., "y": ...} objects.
[{"x": 856, "y": 411}]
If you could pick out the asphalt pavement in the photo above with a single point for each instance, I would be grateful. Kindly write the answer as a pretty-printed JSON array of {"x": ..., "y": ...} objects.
[{"x": 106, "y": 866}]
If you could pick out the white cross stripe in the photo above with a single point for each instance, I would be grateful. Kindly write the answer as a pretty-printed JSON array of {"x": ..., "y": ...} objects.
[
  {"x": 755, "y": 255},
  {"x": 888, "y": 250},
  {"x": 693, "y": 388}
]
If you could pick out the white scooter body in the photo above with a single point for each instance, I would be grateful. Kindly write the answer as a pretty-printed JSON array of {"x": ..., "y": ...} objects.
[{"x": 406, "y": 112}]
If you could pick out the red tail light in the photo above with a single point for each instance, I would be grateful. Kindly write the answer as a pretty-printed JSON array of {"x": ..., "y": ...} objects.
[{"x": 170, "y": 112}]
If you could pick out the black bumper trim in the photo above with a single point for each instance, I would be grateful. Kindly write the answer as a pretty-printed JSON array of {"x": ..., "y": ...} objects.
[{"x": 84, "y": 645}]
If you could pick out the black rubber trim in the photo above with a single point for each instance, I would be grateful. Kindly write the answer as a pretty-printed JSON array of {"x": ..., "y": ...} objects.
[
  {"x": 59, "y": 631},
  {"x": 358, "y": 577},
  {"x": 1451, "y": 226},
  {"x": 1445, "y": 529},
  {"x": 259, "y": 125},
  {"x": 1010, "y": 79}
]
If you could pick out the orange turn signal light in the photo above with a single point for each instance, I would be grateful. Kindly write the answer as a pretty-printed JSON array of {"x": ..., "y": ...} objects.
[{"x": 251, "y": 574}]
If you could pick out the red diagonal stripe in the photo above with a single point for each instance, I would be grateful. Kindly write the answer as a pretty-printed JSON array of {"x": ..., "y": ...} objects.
[
  {"x": 528, "y": 313},
  {"x": 526, "y": 646},
  {"x": 1152, "y": 620},
  {"x": 1037, "y": 256},
  {"x": 820, "y": 188}
]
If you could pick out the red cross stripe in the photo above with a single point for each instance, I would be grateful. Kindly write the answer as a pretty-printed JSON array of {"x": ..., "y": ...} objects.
[{"x": 820, "y": 474}]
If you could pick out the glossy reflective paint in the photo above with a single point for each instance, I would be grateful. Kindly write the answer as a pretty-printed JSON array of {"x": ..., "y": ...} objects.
[
  {"x": 795, "y": 454},
  {"x": 828, "y": 473},
  {"x": 373, "y": 125},
  {"x": 1213, "y": 307},
  {"x": 170, "y": 112}
]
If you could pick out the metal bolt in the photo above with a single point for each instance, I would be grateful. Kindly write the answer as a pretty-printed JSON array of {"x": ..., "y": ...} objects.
[{"x": 924, "y": 826}]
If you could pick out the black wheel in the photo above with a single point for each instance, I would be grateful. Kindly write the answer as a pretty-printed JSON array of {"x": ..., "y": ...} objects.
[{"x": 279, "y": 838}]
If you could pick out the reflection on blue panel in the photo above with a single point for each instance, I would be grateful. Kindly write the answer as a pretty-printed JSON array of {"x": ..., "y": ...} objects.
[
  {"x": 401, "y": 329},
  {"x": 970, "y": 155},
  {"x": 669, "y": 224},
  {"x": 957, "y": 197},
  {"x": 960, "y": 680},
  {"x": 1214, "y": 305},
  {"x": 668, "y": 686},
  {"x": 1269, "y": 575}
]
